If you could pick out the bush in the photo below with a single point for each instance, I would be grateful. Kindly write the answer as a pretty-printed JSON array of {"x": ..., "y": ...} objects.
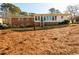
[{"x": 64, "y": 22}]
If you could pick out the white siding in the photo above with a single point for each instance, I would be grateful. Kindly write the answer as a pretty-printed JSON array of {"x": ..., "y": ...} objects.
[{"x": 58, "y": 19}]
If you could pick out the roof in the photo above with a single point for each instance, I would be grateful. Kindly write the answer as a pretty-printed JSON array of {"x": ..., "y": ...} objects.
[
  {"x": 22, "y": 17},
  {"x": 51, "y": 14}
]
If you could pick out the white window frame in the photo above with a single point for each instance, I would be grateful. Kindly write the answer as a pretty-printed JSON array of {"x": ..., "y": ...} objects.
[{"x": 37, "y": 19}]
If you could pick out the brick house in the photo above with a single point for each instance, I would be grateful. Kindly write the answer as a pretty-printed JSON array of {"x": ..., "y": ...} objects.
[{"x": 37, "y": 19}]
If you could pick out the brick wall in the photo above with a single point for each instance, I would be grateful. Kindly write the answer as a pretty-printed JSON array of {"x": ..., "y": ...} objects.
[
  {"x": 22, "y": 22},
  {"x": 45, "y": 23},
  {"x": 17, "y": 22}
]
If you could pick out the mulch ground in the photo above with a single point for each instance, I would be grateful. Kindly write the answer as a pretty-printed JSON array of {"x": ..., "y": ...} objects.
[{"x": 60, "y": 41}]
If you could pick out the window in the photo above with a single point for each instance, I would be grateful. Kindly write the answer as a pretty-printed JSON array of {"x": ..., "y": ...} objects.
[
  {"x": 52, "y": 17},
  {"x": 36, "y": 18},
  {"x": 39, "y": 18},
  {"x": 48, "y": 17},
  {"x": 55, "y": 17},
  {"x": 61, "y": 17},
  {"x": 44, "y": 17}
]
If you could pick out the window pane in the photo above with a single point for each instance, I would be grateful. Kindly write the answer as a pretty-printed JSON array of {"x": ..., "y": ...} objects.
[
  {"x": 39, "y": 18},
  {"x": 52, "y": 17},
  {"x": 47, "y": 17},
  {"x": 55, "y": 17},
  {"x": 44, "y": 18},
  {"x": 61, "y": 17},
  {"x": 36, "y": 18}
]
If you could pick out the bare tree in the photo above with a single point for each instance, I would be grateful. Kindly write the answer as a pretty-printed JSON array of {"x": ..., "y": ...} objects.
[{"x": 73, "y": 10}]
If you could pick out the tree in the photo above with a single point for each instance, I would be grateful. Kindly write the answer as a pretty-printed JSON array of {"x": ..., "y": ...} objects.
[
  {"x": 53, "y": 10},
  {"x": 30, "y": 14},
  {"x": 23, "y": 13},
  {"x": 14, "y": 9},
  {"x": 9, "y": 10},
  {"x": 73, "y": 10},
  {"x": 57, "y": 11}
]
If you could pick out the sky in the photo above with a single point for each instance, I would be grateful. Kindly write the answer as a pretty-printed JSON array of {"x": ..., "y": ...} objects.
[
  {"x": 43, "y": 6},
  {"x": 39, "y": 7}
]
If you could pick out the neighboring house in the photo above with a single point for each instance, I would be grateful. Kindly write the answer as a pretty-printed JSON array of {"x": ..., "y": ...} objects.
[{"x": 37, "y": 19}]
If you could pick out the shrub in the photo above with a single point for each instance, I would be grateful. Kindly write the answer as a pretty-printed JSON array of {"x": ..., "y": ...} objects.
[{"x": 64, "y": 22}]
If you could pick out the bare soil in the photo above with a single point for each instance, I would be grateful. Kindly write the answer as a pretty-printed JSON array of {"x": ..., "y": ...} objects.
[{"x": 60, "y": 41}]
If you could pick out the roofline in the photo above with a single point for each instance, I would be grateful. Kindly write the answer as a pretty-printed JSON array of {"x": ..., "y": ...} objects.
[
  {"x": 22, "y": 17},
  {"x": 51, "y": 14}
]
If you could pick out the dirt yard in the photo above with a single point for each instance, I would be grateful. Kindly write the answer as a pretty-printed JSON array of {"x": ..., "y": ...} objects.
[{"x": 40, "y": 42}]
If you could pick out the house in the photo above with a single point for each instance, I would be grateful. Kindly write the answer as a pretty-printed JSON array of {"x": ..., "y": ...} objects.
[
  {"x": 49, "y": 19},
  {"x": 37, "y": 19}
]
